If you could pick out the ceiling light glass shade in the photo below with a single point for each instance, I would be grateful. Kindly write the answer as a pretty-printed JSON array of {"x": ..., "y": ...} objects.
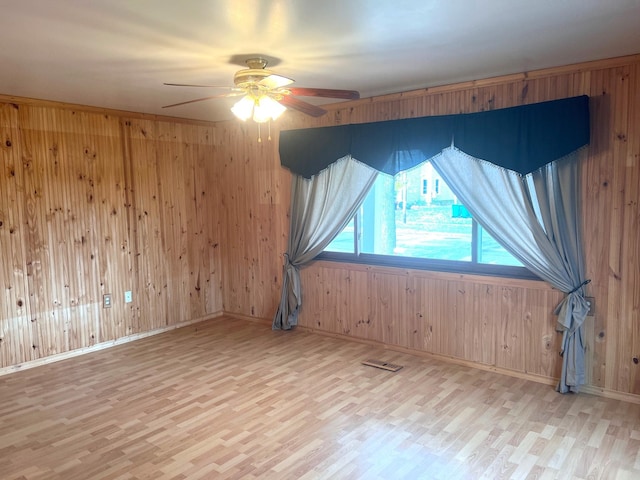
[
  {"x": 267, "y": 108},
  {"x": 243, "y": 108},
  {"x": 262, "y": 109}
]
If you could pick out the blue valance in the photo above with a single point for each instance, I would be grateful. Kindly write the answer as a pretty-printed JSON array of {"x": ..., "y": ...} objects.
[{"x": 520, "y": 138}]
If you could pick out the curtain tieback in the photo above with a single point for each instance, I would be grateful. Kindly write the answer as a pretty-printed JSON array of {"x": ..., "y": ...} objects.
[
  {"x": 580, "y": 286},
  {"x": 287, "y": 261}
]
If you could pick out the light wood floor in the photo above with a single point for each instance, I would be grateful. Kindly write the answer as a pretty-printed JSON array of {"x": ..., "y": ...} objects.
[{"x": 232, "y": 399}]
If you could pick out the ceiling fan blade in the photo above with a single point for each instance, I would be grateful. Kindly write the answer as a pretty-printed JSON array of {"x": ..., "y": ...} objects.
[
  {"x": 204, "y": 98},
  {"x": 275, "y": 81},
  {"x": 190, "y": 85},
  {"x": 324, "y": 92},
  {"x": 295, "y": 104}
]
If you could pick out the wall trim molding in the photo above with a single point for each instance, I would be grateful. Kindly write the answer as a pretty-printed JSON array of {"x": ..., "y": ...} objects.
[
  {"x": 490, "y": 81},
  {"x": 446, "y": 87},
  {"x": 588, "y": 389},
  {"x": 103, "y": 345},
  {"x": 239, "y": 316},
  {"x": 552, "y": 382},
  {"x": 44, "y": 103}
]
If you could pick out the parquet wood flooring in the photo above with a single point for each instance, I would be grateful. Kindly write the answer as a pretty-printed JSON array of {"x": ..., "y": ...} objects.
[{"x": 232, "y": 399}]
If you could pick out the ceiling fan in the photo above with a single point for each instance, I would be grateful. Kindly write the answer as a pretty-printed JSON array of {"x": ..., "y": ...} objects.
[{"x": 265, "y": 95}]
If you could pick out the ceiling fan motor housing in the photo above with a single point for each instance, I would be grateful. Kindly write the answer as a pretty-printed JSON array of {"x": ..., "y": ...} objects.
[{"x": 250, "y": 77}]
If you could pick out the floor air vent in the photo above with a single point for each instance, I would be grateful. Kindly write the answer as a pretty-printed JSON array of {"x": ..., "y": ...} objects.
[{"x": 383, "y": 365}]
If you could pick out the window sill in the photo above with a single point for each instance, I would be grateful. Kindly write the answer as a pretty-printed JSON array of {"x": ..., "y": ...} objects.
[{"x": 445, "y": 266}]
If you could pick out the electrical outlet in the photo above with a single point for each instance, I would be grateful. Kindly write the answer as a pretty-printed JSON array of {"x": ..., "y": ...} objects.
[
  {"x": 128, "y": 296},
  {"x": 592, "y": 306},
  {"x": 106, "y": 300}
]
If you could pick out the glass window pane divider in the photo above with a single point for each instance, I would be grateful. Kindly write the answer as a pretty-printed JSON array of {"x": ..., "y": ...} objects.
[
  {"x": 356, "y": 232},
  {"x": 475, "y": 243}
]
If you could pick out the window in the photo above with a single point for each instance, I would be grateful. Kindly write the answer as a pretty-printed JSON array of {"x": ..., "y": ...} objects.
[{"x": 403, "y": 223}]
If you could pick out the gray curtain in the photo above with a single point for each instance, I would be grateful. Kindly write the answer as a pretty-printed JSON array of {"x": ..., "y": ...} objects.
[
  {"x": 320, "y": 209},
  {"x": 536, "y": 218}
]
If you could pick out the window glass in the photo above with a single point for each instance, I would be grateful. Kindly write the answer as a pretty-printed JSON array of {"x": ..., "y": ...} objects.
[
  {"x": 416, "y": 215},
  {"x": 344, "y": 241},
  {"x": 491, "y": 252}
]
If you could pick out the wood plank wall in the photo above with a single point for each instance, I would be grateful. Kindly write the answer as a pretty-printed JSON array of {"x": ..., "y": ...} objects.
[
  {"x": 255, "y": 204},
  {"x": 495, "y": 322},
  {"x": 193, "y": 218},
  {"x": 94, "y": 203}
]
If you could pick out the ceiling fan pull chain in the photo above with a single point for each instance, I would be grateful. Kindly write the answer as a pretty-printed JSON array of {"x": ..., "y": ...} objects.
[
  {"x": 259, "y": 137},
  {"x": 269, "y": 130}
]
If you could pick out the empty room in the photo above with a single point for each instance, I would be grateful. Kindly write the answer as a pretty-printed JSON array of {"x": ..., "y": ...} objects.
[{"x": 319, "y": 240}]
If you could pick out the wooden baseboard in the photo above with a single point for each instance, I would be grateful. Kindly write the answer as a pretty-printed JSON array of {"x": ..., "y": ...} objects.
[
  {"x": 603, "y": 392},
  {"x": 588, "y": 389},
  {"x": 100, "y": 346},
  {"x": 261, "y": 320}
]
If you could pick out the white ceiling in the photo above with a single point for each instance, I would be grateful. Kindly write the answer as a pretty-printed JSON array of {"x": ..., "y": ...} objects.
[{"x": 118, "y": 53}]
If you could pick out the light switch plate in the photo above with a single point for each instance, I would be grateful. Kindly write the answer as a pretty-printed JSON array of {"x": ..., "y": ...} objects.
[{"x": 592, "y": 306}]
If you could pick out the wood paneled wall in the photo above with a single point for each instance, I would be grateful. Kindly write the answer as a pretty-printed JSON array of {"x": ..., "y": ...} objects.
[
  {"x": 94, "y": 203},
  {"x": 483, "y": 320},
  {"x": 495, "y": 322},
  {"x": 254, "y": 204},
  {"x": 193, "y": 218}
]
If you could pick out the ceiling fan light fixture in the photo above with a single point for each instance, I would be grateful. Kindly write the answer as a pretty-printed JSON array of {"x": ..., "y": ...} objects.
[
  {"x": 243, "y": 109},
  {"x": 266, "y": 108},
  {"x": 262, "y": 108}
]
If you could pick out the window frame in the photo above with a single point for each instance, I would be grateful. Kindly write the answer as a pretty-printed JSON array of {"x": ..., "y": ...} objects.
[{"x": 446, "y": 266}]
